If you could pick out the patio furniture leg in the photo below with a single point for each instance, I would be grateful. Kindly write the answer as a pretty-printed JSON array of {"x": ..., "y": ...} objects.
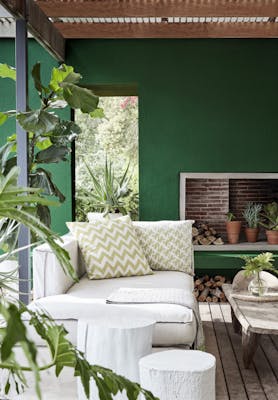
[
  {"x": 236, "y": 324},
  {"x": 250, "y": 342}
]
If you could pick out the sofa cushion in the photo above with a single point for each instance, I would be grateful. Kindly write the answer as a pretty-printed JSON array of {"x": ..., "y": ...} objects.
[
  {"x": 175, "y": 324},
  {"x": 110, "y": 248},
  {"x": 167, "y": 245}
]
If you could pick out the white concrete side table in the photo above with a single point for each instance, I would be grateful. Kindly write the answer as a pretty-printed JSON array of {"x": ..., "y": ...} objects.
[
  {"x": 117, "y": 343},
  {"x": 179, "y": 375}
]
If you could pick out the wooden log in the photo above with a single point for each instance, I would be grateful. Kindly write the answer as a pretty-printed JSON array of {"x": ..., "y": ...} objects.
[
  {"x": 218, "y": 241},
  {"x": 213, "y": 231},
  {"x": 195, "y": 241},
  {"x": 198, "y": 281},
  {"x": 209, "y": 283},
  {"x": 208, "y": 299},
  {"x": 212, "y": 238},
  {"x": 201, "y": 287},
  {"x": 195, "y": 231},
  {"x": 220, "y": 278},
  {"x": 204, "y": 241},
  {"x": 217, "y": 292},
  {"x": 215, "y": 299},
  {"x": 199, "y": 237},
  {"x": 196, "y": 292},
  {"x": 204, "y": 294},
  {"x": 206, "y": 278}
]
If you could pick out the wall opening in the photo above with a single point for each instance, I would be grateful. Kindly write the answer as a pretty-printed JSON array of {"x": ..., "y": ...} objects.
[{"x": 113, "y": 137}]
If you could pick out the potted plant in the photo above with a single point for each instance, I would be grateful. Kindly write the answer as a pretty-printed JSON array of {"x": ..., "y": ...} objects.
[
  {"x": 269, "y": 221},
  {"x": 253, "y": 267},
  {"x": 110, "y": 194},
  {"x": 251, "y": 214},
  {"x": 233, "y": 228}
]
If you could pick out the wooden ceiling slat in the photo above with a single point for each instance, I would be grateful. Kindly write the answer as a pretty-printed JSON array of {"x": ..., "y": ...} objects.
[
  {"x": 160, "y": 8},
  {"x": 39, "y": 25},
  {"x": 189, "y": 30}
]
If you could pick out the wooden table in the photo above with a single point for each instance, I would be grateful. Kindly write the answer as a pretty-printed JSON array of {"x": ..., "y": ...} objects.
[{"x": 252, "y": 320}]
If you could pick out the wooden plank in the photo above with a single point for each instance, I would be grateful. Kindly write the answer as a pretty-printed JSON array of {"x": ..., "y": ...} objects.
[
  {"x": 211, "y": 347},
  {"x": 231, "y": 369},
  {"x": 266, "y": 375},
  {"x": 250, "y": 378},
  {"x": 151, "y": 8},
  {"x": 39, "y": 25},
  {"x": 271, "y": 353},
  {"x": 167, "y": 30}
]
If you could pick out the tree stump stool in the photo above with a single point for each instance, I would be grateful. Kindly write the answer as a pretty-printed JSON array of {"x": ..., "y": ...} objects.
[
  {"x": 116, "y": 343},
  {"x": 179, "y": 375}
]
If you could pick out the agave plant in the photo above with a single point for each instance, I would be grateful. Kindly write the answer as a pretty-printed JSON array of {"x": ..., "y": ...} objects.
[
  {"x": 251, "y": 214},
  {"x": 110, "y": 194}
]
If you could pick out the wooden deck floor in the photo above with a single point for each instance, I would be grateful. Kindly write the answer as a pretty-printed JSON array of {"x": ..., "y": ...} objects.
[{"x": 233, "y": 381}]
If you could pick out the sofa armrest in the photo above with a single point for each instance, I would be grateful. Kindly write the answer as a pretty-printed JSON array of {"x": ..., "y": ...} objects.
[{"x": 49, "y": 278}]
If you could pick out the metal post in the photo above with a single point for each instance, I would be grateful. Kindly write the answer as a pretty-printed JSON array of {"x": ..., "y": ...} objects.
[{"x": 22, "y": 151}]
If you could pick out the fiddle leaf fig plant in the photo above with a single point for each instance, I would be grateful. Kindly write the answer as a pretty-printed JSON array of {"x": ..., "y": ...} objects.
[{"x": 50, "y": 136}]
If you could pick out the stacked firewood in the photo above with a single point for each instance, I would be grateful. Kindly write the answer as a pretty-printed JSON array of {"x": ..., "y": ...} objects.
[
  {"x": 209, "y": 289},
  {"x": 205, "y": 235}
]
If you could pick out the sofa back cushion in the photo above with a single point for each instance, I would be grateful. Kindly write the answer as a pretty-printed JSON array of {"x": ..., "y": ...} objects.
[
  {"x": 110, "y": 248},
  {"x": 167, "y": 245}
]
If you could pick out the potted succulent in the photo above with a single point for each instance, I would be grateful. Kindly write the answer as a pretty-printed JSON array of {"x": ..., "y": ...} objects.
[
  {"x": 251, "y": 214},
  {"x": 253, "y": 267},
  {"x": 233, "y": 228},
  {"x": 111, "y": 195},
  {"x": 269, "y": 221}
]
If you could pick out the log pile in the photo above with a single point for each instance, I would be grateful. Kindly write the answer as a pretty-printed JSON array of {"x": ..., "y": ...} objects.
[
  {"x": 209, "y": 289},
  {"x": 203, "y": 234}
]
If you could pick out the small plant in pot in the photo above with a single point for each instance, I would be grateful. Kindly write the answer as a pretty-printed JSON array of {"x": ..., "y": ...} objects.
[
  {"x": 233, "y": 228},
  {"x": 269, "y": 220},
  {"x": 251, "y": 214},
  {"x": 253, "y": 268}
]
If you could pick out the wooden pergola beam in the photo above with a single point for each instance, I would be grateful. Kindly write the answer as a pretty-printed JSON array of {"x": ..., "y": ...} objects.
[
  {"x": 160, "y": 8},
  {"x": 189, "y": 30},
  {"x": 39, "y": 25}
]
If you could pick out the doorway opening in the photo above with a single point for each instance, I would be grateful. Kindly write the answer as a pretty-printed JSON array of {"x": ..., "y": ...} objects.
[{"x": 112, "y": 138}]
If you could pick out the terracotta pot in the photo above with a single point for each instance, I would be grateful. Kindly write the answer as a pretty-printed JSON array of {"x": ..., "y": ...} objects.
[
  {"x": 233, "y": 231},
  {"x": 272, "y": 237},
  {"x": 252, "y": 234}
]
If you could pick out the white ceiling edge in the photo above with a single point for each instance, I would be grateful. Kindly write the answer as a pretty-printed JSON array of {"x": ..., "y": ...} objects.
[
  {"x": 4, "y": 13},
  {"x": 7, "y": 29}
]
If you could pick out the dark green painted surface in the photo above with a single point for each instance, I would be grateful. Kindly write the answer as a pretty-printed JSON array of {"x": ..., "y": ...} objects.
[
  {"x": 7, "y": 101},
  {"x": 204, "y": 106}
]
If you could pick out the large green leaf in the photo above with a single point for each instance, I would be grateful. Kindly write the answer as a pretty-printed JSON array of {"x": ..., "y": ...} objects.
[
  {"x": 7, "y": 72},
  {"x": 3, "y": 118},
  {"x": 79, "y": 98},
  {"x": 52, "y": 154},
  {"x": 97, "y": 113},
  {"x": 38, "y": 121},
  {"x": 64, "y": 132},
  {"x": 36, "y": 74},
  {"x": 64, "y": 73},
  {"x": 43, "y": 179}
]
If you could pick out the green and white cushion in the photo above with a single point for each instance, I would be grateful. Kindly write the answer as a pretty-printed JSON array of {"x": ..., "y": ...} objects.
[
  {"x": 167, "y": 245},
  {"x": 110, "y": 248}
]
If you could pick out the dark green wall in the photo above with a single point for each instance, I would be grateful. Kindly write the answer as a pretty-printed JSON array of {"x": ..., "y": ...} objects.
[
  {"x": 204, "y": 105},
  {"x": 7, "y": 101}
]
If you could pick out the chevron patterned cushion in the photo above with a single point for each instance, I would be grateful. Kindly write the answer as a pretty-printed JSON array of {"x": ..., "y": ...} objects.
[
  {"x": 167, "y": 245},
  {"x": 110, "y": 248}
]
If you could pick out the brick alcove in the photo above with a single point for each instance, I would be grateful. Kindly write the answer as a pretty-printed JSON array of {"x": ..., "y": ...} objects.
[{"x": 207, "y": 197}]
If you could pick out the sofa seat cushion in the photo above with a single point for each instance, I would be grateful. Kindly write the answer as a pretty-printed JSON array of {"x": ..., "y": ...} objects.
[{"x": 175, "y": 324}]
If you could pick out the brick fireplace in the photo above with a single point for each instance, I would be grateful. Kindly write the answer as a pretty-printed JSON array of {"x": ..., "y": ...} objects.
[{"x": 207, "y": 197}]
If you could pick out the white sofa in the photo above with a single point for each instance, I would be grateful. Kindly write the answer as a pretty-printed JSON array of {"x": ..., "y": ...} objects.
[{"x": 67, "y": 301}]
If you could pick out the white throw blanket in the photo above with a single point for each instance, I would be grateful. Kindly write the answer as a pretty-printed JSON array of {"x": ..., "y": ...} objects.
[{"x": 164, "y": 295}]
